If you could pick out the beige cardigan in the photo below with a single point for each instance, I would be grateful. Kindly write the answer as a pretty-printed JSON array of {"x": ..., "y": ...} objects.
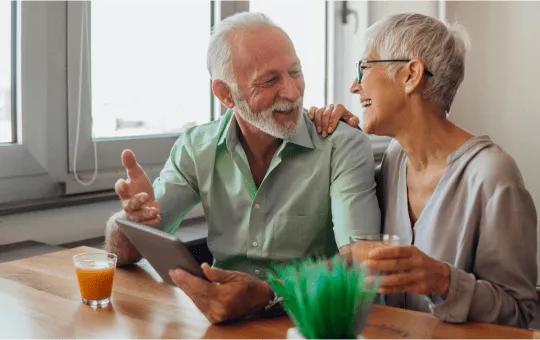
[{"x": 480, "y": 220}]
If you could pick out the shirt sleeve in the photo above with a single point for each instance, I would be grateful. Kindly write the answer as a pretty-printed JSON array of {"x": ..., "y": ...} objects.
[
  {"x": 176, "y": 188},
  {"x": 352, "y": 190},
  {"x": 502, "y": 289}
]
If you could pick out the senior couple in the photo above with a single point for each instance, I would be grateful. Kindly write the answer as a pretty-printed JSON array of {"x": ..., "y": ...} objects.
[{"x": 279, "y": 183}]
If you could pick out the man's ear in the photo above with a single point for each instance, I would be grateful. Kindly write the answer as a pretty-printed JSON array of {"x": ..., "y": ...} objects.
[{"x": 223, "y": 92}]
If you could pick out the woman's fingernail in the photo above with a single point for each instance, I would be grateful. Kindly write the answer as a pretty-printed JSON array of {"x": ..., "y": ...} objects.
[
  {"x": 330, "y": 130},
  {"x": 319, "y": 130}
]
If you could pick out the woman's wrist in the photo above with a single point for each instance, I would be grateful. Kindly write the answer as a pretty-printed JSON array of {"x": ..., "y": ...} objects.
[{"x": 443, "y": 285}]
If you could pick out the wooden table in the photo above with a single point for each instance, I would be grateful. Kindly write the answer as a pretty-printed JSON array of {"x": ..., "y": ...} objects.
[{"x": 39, "y": 298}]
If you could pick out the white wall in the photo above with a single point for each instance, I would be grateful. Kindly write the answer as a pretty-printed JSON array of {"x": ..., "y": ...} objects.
[
  {"x": 381, "y": 9},
  {"x": 500, "y": 95},
  {"x": 57, "y": 226}
]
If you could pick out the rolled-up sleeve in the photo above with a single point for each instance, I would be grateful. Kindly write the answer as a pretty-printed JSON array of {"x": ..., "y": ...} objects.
[
  {"x": 355, "y": 209},
  {"x": 176, "y": 188},
  {"x": 501, "y": 288}
]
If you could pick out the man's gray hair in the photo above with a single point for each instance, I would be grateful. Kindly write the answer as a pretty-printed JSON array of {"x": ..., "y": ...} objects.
[
  {"x": 441, "y": 46},
  {"x": 219, "y": 47}
]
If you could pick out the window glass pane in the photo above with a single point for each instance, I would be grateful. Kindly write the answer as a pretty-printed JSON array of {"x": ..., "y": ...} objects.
[
  {"x": 305, "y": 23},
  {"x": 148, "y": 68},
  {"x": 5, "y": 73}
]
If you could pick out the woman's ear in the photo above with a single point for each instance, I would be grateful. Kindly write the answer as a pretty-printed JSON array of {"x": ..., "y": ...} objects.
[
  {"x": 223, "y": 92},
  {"x": 414, "y": 72}
]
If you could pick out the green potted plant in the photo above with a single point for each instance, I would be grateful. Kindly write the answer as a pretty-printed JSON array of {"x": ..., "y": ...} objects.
[{"x": 326, "y": 299}]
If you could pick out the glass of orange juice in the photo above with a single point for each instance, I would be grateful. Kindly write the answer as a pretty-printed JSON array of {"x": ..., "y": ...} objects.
[
  {"x": 361, "y": 245},
  {"x": 95, "y": 273}
]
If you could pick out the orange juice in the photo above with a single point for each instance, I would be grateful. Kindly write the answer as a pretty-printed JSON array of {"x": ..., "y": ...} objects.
[
  {"x": 95, "y": 273},
  {"x": 360, "y": 249},
  {"x": 96, "y": 283}
]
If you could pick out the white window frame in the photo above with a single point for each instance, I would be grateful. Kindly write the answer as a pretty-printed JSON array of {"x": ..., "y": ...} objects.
[
  {"x": 38, "y": 166},
  {"x": 28, "y": 167},
  {"x": 152, "y": 151}
]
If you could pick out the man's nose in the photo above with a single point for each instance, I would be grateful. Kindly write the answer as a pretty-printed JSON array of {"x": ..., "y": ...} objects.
[{"x": 290, "y": 89}]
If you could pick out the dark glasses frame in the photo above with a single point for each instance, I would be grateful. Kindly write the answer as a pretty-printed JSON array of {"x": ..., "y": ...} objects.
[{"x": 359, "y": 66}]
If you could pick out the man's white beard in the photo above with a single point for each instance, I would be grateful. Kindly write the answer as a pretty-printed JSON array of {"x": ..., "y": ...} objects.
[{"x": 265, "y": 121}]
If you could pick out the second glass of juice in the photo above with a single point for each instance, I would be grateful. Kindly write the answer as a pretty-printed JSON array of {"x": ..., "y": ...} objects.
[{"x": 361, "y": 245}]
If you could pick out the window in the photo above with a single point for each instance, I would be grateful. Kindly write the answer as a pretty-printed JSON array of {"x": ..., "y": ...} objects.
[
  {"x": 305, "y": 23},
  {"x": 6, "y": 42},
  {"x": 85, "y": 78},
  {"x": 148, "y": 67},
  {"x": 141, "y": 71}
]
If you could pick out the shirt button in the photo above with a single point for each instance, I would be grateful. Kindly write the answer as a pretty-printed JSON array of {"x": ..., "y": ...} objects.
[
  {"x": 257, "y": 272},
  {"x": 255, "y": 244},
  {"x": 257, "y": 206}
]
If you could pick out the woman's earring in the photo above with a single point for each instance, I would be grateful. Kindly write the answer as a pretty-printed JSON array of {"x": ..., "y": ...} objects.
[{"x": 408, "y": 88}]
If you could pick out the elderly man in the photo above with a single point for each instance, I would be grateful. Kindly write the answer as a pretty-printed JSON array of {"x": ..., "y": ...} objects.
[{"x": 272, "y": 188}]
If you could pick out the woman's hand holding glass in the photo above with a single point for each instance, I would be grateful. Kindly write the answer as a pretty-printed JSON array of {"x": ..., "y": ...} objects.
[{"x": 407, "y": 269}]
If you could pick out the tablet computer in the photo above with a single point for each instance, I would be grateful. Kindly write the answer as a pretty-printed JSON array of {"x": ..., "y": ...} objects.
[{"x": 163, "y": 251}]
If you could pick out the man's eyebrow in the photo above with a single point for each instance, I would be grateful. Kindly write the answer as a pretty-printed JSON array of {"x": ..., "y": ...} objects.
[
  {"x": 295, "y": 64},
  {"x": 265, "y": 75},
  {"x": 274, "y": 72}
]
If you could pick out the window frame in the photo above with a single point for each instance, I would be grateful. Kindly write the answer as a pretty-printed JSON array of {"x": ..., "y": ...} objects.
[
  {"x": 37, "y": 166},
  {"x": 152, "y": 151},
  {"x": 28, "y": 168},
  {"x": 349, "y": 43},
  {"x": 13, "y": 92}
]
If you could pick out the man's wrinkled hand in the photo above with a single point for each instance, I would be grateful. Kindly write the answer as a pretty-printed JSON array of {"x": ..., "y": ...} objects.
[
  {"x": 327, "y": 118},
  {"x": 228, "y": 295},
  {"x": 137, "y": 194}
]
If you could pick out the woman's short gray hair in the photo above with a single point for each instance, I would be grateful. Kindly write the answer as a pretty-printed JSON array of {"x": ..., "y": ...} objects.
[
  {"x": 441, "y": 46},
  {"x": 219, "y": 47}
]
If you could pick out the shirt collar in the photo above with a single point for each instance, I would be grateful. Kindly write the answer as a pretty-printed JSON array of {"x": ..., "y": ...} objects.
[
  {"x": 301, "y": 136},
  {"x": 230, "y": 134}
]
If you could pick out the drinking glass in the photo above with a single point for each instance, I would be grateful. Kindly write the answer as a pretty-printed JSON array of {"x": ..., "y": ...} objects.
[
  {"x": 362, "y": 244},
  {"x": 95, "y": 273}
]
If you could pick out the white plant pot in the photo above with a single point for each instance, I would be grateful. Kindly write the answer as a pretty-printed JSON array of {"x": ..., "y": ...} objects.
[{"x": 294, "y": 333}]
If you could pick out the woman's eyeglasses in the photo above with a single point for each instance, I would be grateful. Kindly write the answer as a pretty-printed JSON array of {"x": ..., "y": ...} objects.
[{"x": 360, "y": 67}]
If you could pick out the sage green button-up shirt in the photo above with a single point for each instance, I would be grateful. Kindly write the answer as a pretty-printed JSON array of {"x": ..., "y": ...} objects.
[{"x": 315, "y": 195}]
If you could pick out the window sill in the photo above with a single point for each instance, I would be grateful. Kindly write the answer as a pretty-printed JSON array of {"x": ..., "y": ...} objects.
[{"x": 55, "y": 203}]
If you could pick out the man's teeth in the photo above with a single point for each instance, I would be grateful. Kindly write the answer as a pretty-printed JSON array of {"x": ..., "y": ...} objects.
[{"x": 366, "y": 103}]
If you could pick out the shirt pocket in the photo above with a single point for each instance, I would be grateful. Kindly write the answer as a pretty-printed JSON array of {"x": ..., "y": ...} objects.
[{"x": 298, "y": 236}]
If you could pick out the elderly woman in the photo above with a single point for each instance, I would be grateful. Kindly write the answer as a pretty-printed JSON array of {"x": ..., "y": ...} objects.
[{"x": 457, "y": 201}]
